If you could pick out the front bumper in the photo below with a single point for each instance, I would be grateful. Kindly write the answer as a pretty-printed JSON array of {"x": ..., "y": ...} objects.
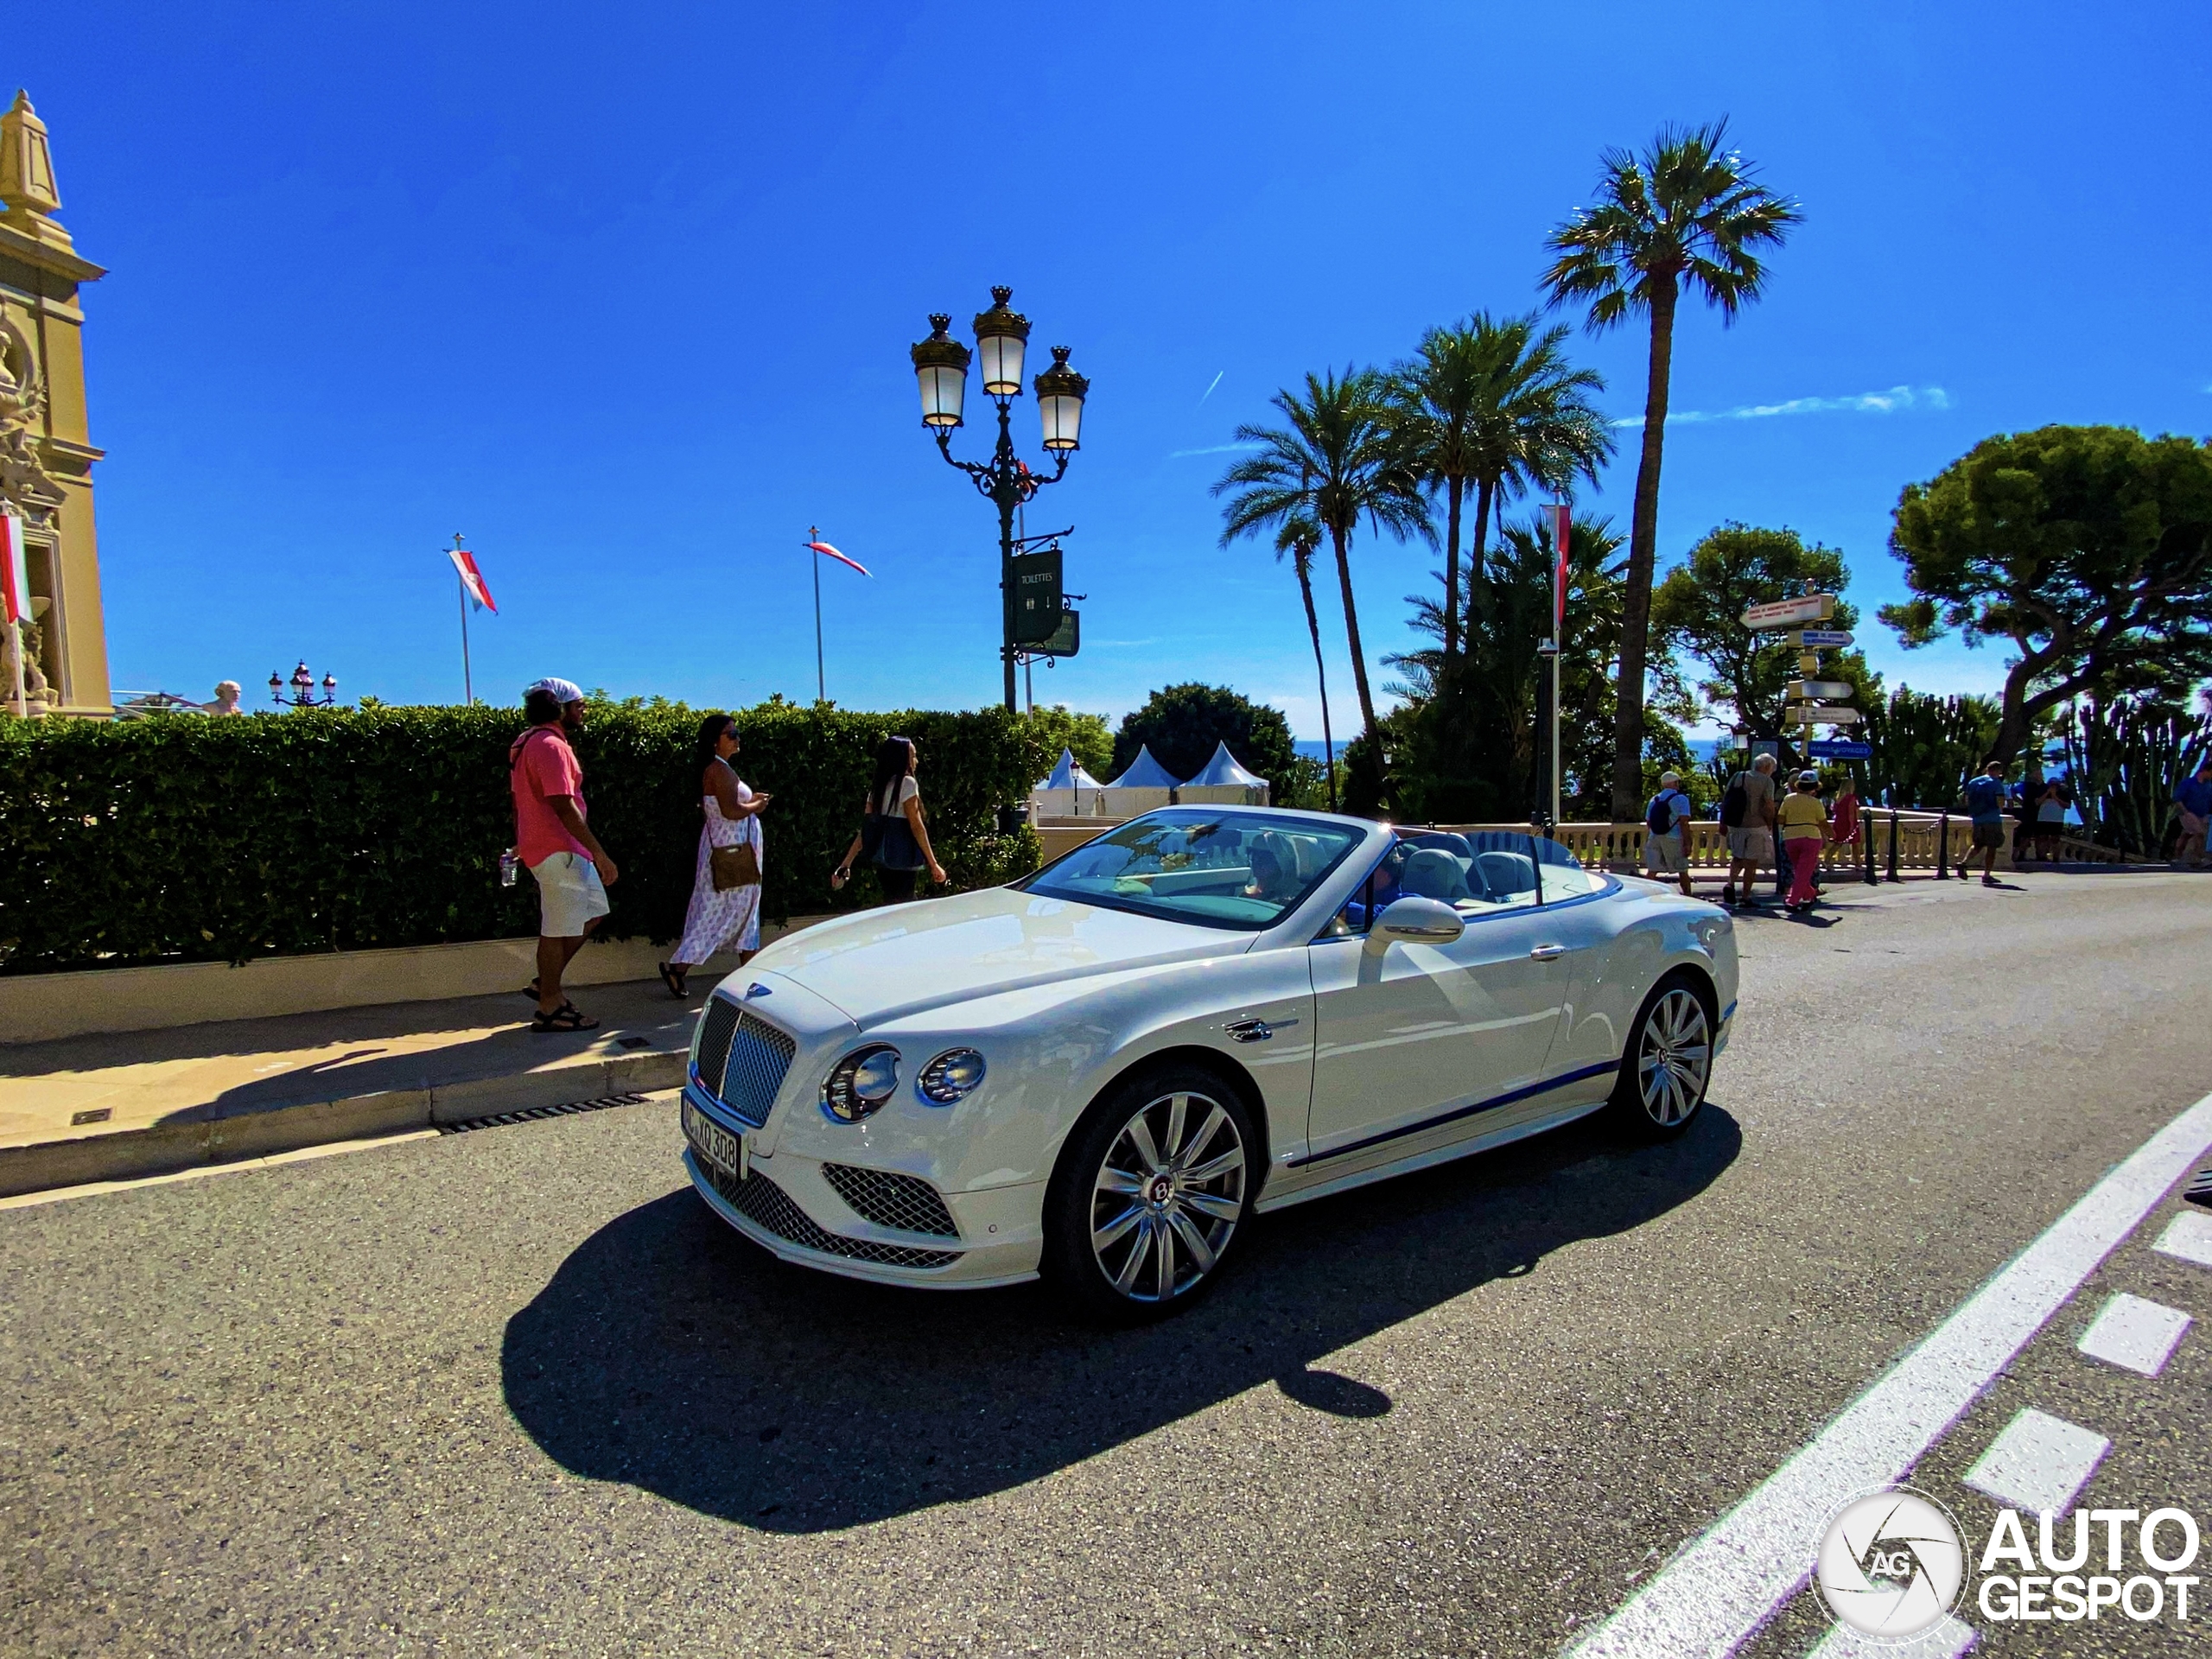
[{"x": 795, "y": 1214}]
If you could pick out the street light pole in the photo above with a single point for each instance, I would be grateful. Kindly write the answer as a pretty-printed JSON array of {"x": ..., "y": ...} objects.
[{"x": 941, "y": 368}]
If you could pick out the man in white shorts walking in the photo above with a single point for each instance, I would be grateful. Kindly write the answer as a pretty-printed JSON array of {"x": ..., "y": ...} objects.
[
  {"x": 1750, "y": 820},
  {"x": 572, "y": 869}
]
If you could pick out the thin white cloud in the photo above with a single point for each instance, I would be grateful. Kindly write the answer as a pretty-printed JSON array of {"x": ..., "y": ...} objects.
[
  {"x": 1891, "y": 402},
  {"x": 1103, "y": 644},
  {"x": 1214, "y": 449},
  {"x": 1208, "y": 392}
]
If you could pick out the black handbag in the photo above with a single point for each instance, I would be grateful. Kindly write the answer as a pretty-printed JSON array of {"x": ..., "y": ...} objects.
[{"x": 887, "y": 842}]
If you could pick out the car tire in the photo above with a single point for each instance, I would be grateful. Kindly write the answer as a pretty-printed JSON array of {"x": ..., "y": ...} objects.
[
  {"x": 1149, "y": 1193},
  {"x": 1667, "y": 1065}
]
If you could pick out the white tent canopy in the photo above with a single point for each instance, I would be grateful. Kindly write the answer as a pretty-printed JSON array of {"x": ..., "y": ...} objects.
[
  {"x": 1070, "y": 775},
  {"x": 1145, "y": 772},
  {"x": 1223, "y": 770}
]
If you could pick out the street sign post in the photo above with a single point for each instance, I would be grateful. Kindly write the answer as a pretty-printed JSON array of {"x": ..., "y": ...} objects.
[
  {"x": 1839, "y": 748},
  {"x": 1818, "y": 691},
  {"x": 1816, "y": 713},
  {"x": 1821, "y": 638},
  {"x": 1788, "y": 612},
  {"x": 1066, "y": 640},
  {"x": 1036, "y": 597}
]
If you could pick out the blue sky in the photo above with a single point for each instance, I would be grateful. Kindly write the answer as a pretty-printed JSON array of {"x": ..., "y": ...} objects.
[{"x": 626, "y": 297}]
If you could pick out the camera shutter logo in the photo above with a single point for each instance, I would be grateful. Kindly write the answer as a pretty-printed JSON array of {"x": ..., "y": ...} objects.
[{"x": 1891, "y": 1564}]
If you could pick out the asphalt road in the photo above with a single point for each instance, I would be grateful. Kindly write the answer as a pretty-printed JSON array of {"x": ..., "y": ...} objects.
[{"x": 516, "y": 1391}]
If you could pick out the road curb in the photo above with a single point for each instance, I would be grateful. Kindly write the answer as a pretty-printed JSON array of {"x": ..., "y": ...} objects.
[{"x": 192, "y": 1142}]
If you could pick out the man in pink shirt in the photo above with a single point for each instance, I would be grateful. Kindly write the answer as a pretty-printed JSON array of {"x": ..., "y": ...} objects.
[{"x": 572, "y": 869}]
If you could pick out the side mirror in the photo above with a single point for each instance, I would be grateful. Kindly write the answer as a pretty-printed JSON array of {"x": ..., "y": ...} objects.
[{"x": 1414, "y": 921}]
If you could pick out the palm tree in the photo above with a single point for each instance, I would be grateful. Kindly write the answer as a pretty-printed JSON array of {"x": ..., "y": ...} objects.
[
  {"x": 1299, "y": 537},
  {"x": 1335, "y": 462},
  {"x": 1688, "y": 211},
  {"x": 1494, "y": 403}
]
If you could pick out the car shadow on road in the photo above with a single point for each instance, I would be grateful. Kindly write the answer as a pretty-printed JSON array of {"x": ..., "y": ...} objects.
[{"x": 671, "y": 1354}]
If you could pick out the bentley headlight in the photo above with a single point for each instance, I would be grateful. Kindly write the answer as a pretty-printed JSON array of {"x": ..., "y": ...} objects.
[
  {"x": 949, "y": 1076},
  {"x": 1711, "y": 930},
  {"x": 861, "y": 1083}
]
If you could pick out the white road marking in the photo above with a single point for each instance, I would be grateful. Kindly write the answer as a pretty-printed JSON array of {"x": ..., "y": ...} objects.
[
  {"x": 1719, "y": 1589},
  {"x": 2038, "y": 1463},
  {"x": 1947, "y": 1641},
  {"x": 2189, "y": 1237},
  {"x": 2135, "y": 1335}
]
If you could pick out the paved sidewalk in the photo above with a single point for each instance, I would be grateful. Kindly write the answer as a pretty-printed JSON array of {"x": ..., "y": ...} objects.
[{"x": 129, "y": 1103}]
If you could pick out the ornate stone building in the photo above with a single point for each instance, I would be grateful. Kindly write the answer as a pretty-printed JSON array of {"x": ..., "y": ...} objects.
[{"x": 46, "y": 460}]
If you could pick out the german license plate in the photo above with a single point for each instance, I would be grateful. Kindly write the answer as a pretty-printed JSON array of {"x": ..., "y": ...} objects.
[{"x": 714, "y": 1143}]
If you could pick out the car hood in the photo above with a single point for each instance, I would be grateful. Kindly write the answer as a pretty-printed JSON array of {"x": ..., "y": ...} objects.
[{"x": 902, "y": 959}]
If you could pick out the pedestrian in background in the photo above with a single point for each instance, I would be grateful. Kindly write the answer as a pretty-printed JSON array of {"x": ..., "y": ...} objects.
[
  {"x": 1804, "y": 823},
  {"x": 2193, "y": 799},
  {"x": 1666, "y": 832},
  {"x": 892, "y": 835},
  {"x": 2050, "y": 821},
  {"x": 572, "y": 869},
  {"x": 725, "y": 909},
  {"x": 1747, "y": 815},
  {"x": 1843, "y": 823},
  {"x": 1985, "y": 804}
]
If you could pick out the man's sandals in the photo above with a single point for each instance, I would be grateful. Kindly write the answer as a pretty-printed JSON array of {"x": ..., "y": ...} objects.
[{"x": 566, "y": 1017}]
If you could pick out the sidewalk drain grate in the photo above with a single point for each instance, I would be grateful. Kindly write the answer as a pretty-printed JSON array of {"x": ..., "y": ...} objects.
[{"x": 532, "y": 1114}]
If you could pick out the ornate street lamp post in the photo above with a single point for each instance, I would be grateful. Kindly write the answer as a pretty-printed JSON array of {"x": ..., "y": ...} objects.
[
  {"x": 941, "y": 369},
  {"x": 302, "y": 684}
]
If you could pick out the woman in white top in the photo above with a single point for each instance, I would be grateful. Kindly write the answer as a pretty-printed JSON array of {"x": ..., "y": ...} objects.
[
  {"x": 720, "y": 919},
  {"x": 892, "y": 833}
]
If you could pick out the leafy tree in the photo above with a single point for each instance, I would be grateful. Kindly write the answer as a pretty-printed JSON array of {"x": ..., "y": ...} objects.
[
  {"x": 1087, "y": 735},
  {"x": 1335, "y": 463},
  {"x": 1495, "y": 403},
  {"x": 1473, "y": 737},
  {"x": 1687, "y": 212},
  {"x": 1700, "y": 608},
  {"x": 2088, "y": 548},
  {"x": 1181, "y": 724},
  {"x": 1926, "y": 746}
]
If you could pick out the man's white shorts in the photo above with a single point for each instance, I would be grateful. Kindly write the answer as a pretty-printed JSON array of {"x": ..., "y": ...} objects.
[
  {"x": 1753, "y": 846},
  {"x": 1662, "y": 854},
  {"x": 570, "y": 895}
]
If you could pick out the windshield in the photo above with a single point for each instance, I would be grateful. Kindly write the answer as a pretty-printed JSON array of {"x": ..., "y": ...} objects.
[{"x": 1220, "y": 869}]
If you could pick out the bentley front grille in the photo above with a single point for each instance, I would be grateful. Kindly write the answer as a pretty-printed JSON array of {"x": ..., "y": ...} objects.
[
  {"x": 906, "y": 1202},
  {"x": 742, "y": 1059},
  {"x": 762, "y": 1201}
]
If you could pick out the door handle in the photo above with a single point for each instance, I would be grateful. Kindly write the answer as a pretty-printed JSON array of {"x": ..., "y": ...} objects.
[{"x": 1548, "y": 952}]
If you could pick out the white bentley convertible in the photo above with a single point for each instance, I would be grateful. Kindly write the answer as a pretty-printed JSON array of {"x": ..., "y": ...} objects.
[{"x": 1100, "y": 1071}]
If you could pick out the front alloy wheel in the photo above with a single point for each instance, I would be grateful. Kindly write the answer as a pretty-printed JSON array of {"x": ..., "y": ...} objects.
[
  {"x": 1151, "y": 1193},
  {"x": 1670, "y": 1062}
]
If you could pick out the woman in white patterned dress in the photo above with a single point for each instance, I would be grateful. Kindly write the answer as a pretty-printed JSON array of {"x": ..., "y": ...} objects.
[{"x": 731, "y": 917}]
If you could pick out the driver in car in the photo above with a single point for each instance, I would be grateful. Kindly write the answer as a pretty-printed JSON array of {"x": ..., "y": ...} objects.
[{"x": 1273, "y": 878}]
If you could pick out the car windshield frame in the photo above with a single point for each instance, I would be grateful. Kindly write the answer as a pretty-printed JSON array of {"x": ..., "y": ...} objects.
[{"x": 1355, "y": 836}]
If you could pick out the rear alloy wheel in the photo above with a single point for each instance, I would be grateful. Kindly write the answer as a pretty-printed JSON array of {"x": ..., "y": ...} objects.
[
  {"x": 1150, "y": 1193},
  {"x": 1668, "y": 1063}
]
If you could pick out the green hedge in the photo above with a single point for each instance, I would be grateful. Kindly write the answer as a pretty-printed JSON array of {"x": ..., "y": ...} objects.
[{"x": 189, "y": 838}]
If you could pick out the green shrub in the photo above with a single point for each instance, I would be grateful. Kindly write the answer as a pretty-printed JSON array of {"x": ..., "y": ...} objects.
[{"x": 281, "y": 834}]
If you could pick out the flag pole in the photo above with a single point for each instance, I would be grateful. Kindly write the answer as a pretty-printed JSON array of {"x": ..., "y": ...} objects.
[
  {"x": 468, "y": 683},
  {"x": 1562, "y": 530},
  {"x": 813, "y": 561}
]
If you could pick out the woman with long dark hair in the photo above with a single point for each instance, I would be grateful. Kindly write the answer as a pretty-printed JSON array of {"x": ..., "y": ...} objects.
[
  {"x": 893, "y": 837},
  {"x": 725, "y": 909}
]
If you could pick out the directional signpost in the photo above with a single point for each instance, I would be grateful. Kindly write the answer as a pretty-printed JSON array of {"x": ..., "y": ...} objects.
[{"x": 1813, "y": 701}]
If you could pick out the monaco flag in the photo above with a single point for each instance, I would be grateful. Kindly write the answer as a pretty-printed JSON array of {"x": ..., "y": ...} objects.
[
  {"x": 824, "y": 547},
  {"x": 14, "y": 571},
  {"x": 472, "y": 579}
]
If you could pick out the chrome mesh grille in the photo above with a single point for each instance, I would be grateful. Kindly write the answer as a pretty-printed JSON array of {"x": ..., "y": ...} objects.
[
  {"x": 742, "y": 1059},
  {"x": 762, "y": 1201},
  {"x": 888, "y": 1199},
  {"x": 716, "y": 1026}
]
